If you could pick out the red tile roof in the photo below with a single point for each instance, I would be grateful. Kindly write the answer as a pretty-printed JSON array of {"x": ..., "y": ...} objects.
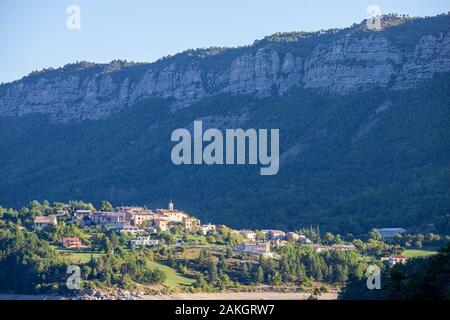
[{"x": 71, "y": 239}]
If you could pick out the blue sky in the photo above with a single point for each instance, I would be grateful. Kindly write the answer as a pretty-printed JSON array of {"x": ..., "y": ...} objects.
[{"x": 34, "y": 33}]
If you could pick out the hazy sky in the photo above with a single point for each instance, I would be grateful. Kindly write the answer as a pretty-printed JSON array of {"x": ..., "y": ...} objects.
[{"x": 34, "y": 34}]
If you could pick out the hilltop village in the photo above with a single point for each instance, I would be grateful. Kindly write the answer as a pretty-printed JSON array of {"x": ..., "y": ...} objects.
[
  {"x": 166, "y": 250},
  {"x": 144, "y": 225}
]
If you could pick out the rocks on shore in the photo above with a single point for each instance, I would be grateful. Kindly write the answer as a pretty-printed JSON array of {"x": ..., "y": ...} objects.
[{"x": 94, "y": 294}]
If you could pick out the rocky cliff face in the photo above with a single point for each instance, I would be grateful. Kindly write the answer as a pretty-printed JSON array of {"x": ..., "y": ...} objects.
[{"x": 339, "y": 62}]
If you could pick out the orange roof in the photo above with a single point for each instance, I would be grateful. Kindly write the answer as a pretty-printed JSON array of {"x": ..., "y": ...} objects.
[
  {"x": 43, "y": 219},
  {"x": 71, "y": 239},
  {"x": 168, "y": 211}
]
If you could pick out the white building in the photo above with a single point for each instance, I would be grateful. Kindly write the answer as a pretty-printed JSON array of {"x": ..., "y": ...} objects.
[
  {"x": 391, "y": 232},
  {"x": 208, "y": 228},
  {"x": 393, "y": 260},
  {"x": 132, "y": 230},
  {"x": 190, "y": 223},
  {"x": 143, "y": 242},
  {"x": 44, "y": 222}
]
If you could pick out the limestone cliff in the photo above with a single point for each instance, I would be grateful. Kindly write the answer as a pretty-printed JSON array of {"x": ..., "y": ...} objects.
[{"x": 336, "y": 61}]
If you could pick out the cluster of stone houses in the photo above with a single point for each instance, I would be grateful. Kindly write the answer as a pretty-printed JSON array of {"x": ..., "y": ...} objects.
[
  {"x": 273, "y": 236},
  {"x": 127, "y": 219},
  {"x": 136, "y": 221},
  {"x": 260, "y": 244},
  {"x": 141, "y": 222}
]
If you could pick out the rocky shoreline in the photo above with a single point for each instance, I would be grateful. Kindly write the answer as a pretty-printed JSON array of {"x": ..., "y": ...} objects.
[{"x": 92, "y": 294}]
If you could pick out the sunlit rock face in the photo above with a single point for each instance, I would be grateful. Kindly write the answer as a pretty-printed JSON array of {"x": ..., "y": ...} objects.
[{"x": 339, "y": 62}]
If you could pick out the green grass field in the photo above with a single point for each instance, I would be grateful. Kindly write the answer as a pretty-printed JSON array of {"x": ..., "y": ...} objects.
[
  {"x": 174, "y": 279},
  {"x": 413, "y": 253}
]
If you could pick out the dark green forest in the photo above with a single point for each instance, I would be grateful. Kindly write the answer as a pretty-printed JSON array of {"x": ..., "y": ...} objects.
[
  {"x": 376, "y": 158},
  {"x": 418, "y": 279}
]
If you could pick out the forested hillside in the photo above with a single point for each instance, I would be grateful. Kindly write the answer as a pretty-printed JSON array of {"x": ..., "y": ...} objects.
[
  {"x": 348, "y": 163},
  {"x": 363, "y": 117}
]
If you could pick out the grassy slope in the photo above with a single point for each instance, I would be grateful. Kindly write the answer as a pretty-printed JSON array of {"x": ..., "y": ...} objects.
[
  {"x": 173, "y": 277},
  {"x": 77, "y": 256}
]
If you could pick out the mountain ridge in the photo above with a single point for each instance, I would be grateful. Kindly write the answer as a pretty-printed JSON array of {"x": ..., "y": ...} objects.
[{"x": 317, "y": 60}]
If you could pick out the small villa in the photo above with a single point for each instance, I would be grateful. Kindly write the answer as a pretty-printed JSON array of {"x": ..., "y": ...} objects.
[
  {"x": 143, "y": 242},
  {"x": 44, "y": 222},
  {"x": 261, "y": 248},
  {"x": 393, "y": 260},
  {"x": 71, "y": 242}
]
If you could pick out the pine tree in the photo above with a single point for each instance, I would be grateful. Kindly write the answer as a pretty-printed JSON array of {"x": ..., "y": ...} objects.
[
  {"x": 301, "y": 273},
  {"x": 245, "y": 271},
  {"x": 213, "y": 273},
  {"x": 260, "y": 275}
]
